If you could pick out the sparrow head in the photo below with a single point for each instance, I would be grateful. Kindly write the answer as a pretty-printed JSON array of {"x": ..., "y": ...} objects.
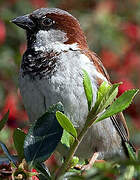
[{"x": 52, "y": 25}]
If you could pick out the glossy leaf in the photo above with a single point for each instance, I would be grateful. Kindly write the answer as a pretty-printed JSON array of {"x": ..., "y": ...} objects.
[
  {"x": 18, "y": 138},
  {"x": 6, "y": 161},
  {"x": 105, "y": 96},
  {"x": 108, "y": 97},
  {"x": 129, "y": 173},
  {"x": 119, "y": 105},
  {"x": 102, "y": 91},
  {"x": 43, "y": 136},
  {"x": 88, "y": 89},
  {"x": 7, "y": 153},
  {"x": 4, "y": 120},
  {"x": 74, "y": 161},
  {"x": 44, "y": 173},
  {"x": 67, "y": 139},
  {"x": 66, "y": 123}
]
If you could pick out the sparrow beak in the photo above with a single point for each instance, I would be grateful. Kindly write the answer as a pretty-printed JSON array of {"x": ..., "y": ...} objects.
[{"x": 24, "y": 22}]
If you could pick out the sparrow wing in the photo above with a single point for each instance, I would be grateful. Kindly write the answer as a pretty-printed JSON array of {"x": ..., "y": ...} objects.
[{"x": 118, "y": 120}]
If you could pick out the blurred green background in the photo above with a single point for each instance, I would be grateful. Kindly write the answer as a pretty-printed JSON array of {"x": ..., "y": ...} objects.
[{"x": 112, "y": 29}]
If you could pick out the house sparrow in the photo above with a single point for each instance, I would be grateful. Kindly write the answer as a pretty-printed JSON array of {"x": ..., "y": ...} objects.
[{"x": 52, "y": 71}]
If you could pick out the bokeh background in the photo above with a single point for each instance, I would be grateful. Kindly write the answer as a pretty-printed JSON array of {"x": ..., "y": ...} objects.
[{"x": 113, "y": 32}]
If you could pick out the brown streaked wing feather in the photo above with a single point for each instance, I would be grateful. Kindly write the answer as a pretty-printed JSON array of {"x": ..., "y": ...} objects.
[
  {"x": 121, "y": 119},
  {"x": 99, "y": 64}
]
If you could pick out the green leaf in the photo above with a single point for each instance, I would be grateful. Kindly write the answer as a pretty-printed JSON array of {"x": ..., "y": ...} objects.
[
  {"x": 108, "y": 97},
  {"x": 18, "y": 138},
  {"x": 4, "y": 120},
  {"x": 67, "y": 139},
  {"x": 66, "y": 123},
  {"x": 74, "y": 161},
  {"x": 131, "y": 152},
  {"x": 30, "y": 174},
  {"x": 43, "y": 136},
  {"x": 101, "y": 94},
  {"x": 88, "y": 89},
  {"x": 119, "y": 105},
  {"x": 103, "y": 89},
  {"x": 129, "y": 173},
  {"x": 105, "y": 96}
]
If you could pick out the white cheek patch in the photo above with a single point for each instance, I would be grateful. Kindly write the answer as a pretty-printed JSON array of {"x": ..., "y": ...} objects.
[
  {"x": 51, "y": 36},
  {"x": 47, "y": 41}
]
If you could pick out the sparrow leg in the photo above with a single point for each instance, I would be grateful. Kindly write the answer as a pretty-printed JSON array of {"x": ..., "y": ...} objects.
[{"x": 91, "y": 162}]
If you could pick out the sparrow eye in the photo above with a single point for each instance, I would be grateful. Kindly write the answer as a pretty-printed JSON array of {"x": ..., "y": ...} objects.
[{"x": 47, "y": 22}]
